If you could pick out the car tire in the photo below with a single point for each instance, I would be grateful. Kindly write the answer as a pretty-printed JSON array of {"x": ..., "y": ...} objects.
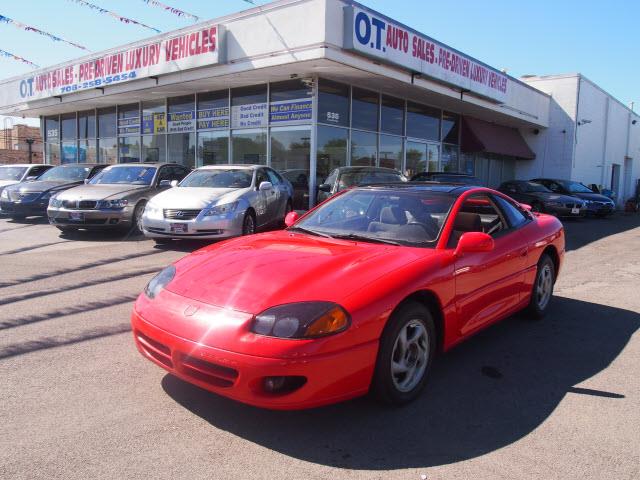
[
  {"x": 65, "y": 229},
  {"x": 249, "y": 223},
  {"x": 402, "y": 366},
  {"x": 136, "y": 219},
  {"x": 542, "y": 289}
]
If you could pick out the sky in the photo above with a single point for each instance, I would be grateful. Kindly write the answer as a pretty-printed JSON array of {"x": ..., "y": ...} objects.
[{"x": 598, "y": 39}]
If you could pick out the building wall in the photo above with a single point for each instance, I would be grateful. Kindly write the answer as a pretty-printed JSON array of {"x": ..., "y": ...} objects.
[{"x": 19, "y": 156}]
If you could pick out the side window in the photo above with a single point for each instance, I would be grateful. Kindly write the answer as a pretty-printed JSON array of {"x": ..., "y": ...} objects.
[
  {"x": 477, "y": 214},
  {"x": 36, "y": 171},
  {"x": 273, "y": 178},
  {"x": 95, "y": 170},
  {"x": 553, "y": 186},
  {"x": 510, "y": 187},
  {"x": 164, "y": 174},
  {"x": 178, "y": 173},
  {"x": 514, "y": 216},
  {"x": 261, "y": 177}
]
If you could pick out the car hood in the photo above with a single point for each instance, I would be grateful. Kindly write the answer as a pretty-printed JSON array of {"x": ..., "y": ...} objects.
[
  {"x": 99, "y": 192},
  {"x": 593, "y": 196},
  {"x": 552, "y": 197},
  {"x": 253, "y": 273},
  {"x": 44, "y": 186},
  {"x": 6, "y": 183},
  {"x": 196, "y": 197}
]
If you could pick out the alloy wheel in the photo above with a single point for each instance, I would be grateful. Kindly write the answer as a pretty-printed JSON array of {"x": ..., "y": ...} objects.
[
  {"x": 544, "y": 286},
  {"x": 410, "y": 356}
]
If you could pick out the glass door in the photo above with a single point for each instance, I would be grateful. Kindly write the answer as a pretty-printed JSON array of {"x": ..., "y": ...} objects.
[{"x": 421, "y": 157}]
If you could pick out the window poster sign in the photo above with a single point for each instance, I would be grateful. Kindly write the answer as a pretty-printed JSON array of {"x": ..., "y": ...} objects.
[
  {"x": 129, "y": 126},
  {"x": 213, "y": 118},
  {"x": 249, "y": 116},
  {"x": 379, "y": 38},
  {"x": 181, "y": 122},
  {"x": 52, "y": 134},
  {"x": 197, "y": 47},
  {"x": 289, "y": 111},
  {"x": 154, "y": 123}
]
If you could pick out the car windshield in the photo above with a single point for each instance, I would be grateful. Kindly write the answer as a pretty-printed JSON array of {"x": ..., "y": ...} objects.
[
  {"x": 575, "y": 187},
  {"x": 219, "y": 178},
  {"x": 12, "y": 173},
  {"x": 535, "y": 187},
  {"x": 396, "y": 216},
  {"x": 134, "y": 175},
  {"x": 369, "y": 177},
  {"x": 69, "y": 173}
]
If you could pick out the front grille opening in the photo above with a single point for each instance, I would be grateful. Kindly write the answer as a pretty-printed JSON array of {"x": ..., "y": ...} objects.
[
  {"x": 211, "y": 373},
  {"x": 155, "y": 349},
  {"x": 175, "y": 214}
]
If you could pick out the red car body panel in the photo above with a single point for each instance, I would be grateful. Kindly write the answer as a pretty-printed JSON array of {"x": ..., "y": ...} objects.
[{"x": 199, "y": 325}]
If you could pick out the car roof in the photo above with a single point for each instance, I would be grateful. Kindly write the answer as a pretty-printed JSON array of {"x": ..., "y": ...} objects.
[
  {"x": 369, "y": 168},
  {"x": 457, "y": 174},
  {"x": 456, "y": 188},
  {"x": 23, "y": 165},
  {"x": 147, "y": 164},
  {"x": 234, "y": 166}
]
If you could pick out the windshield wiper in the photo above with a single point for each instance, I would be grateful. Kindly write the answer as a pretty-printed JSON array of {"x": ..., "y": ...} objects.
[
  {"x": 364, "y": 238},
  {"x": 310, "y": 232}
]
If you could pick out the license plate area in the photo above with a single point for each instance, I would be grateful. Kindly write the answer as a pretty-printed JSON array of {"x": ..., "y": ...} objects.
[
  {"x": 575, "y": 211},
  {"x": 76, "y": 216},
  {"x": 179, "y": 228}
]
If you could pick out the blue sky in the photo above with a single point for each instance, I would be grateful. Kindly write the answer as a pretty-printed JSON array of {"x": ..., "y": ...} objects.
[{"x": 598, "y": 39}]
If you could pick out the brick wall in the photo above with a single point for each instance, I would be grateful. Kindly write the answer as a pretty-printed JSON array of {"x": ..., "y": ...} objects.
[{"x": 19, "y": 156}]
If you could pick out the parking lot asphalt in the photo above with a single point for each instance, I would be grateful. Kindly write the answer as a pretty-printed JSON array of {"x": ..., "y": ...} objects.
[{"x": 558, "y": 398}]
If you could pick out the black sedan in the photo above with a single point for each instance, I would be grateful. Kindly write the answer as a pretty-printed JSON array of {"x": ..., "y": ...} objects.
[
  {"x": 346, "y": 177},
  {"x": 596, "y": 204},
  {"x": 32, "y": 198},
  {"x": 447, "y": 177},
  {"x": 544, "y": 200}
]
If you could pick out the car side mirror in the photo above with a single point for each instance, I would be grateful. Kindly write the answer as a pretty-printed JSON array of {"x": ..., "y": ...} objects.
[
  {"x": 31, "y": 177},
  {"x": 526, "y": 206},
  {"x": 174, "y": 183},
  {"x": 291, "y": 218},
  {"x": 165, "y": 184},
  {"x": 325, "y": 187},
  {"x": 265, "y": 186},
  {"x": 474, "y": 242}
]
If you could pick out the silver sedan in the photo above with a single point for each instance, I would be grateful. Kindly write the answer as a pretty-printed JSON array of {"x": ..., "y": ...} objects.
[{"x": 219, "y": 201}]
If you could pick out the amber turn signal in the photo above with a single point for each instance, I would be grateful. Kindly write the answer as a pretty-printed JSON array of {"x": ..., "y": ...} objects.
[{"x": 333, "y": 321}]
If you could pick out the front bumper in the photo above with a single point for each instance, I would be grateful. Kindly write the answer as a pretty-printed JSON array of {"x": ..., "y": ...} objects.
[
  {"x": 223, "y": 226},
  {"x": 568, "y": 211},
  {"x": 27, "y": 209},
  {"x": 330, "y": 378},
  {"x": 600, "y": 209},
  {"x": 91, "y": 218}
]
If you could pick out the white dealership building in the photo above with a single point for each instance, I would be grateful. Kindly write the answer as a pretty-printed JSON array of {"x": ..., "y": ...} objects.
[{"x": 309, "y": 85}]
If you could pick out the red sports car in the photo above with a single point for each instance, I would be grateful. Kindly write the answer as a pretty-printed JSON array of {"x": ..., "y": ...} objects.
[{"x": 357, "y": 295}]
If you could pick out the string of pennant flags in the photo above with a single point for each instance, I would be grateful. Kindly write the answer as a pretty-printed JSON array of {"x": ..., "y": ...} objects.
[
  {"x": 114, "y": 14},
  {"x": 175, "y": 11},
  {"x": 29, "y": 28},
  {"x": 4, "y": 53}
]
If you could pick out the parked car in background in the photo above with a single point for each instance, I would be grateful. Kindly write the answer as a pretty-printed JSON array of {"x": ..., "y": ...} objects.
[
  {"x": 544, "y": 200},
  {"x": 342, "y": 178},
  {"x": 597, "y": 204},
  {"x": 359, "y": 295},
  {"x": 31, "y": 198},
  {"x": 447, "y": 177},
  {"x": 219, "y": 201},
  {"x": 114, "y": 198},
  {"x": 20, "y": 172}
]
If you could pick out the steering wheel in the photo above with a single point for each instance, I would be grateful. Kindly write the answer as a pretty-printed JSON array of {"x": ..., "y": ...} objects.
[{"x": 493, "y": 226}]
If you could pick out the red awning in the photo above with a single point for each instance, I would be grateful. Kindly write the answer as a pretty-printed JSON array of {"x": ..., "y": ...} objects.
[{"x": 481, "y": 136}]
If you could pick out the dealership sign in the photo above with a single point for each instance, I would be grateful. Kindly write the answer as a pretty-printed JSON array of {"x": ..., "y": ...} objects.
[
  {"x": 189, "y": 49},
  {"x": 379, "y": 38}
]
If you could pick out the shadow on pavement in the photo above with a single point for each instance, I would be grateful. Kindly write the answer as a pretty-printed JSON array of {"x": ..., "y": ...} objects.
[
  {"x": 581, "y": 232},
  {"x": 466, "y": 410}
]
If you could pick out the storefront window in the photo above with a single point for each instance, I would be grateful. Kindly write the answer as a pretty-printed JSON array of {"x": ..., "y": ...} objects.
[
  {"x": 52, "y": 153},
  {"x": 108, "y": 150},
  {"x": 129, "y": 149},
  {"x": 68, "y": 124},
  {"x": 107, "y": 122},
  {"x": 392, "y": 115},
  {"x": 391, "y": 152},
  {"x": 468, "y": 163},
  {"x": 181, "y": 148},
  {"x": 290, "y": 103},
  {"x": 213, "y": 148},
  {"x": 423, "y": 122},
  {"x": 416, "y": 158},
  {"x": 181, "y": 117},
  {"x": 364, "y": 148},
  {"x": 450, "y": 127},
  {"x": 249, "y": 107},
  {"x": 333, "y": 103},
  {"x": 332, "y": 150},
  {"x": 87, "y": 151},
  {"x": 290, "y": 155},
  {"x": 154, "y": 117},
  {"x": 364, "y": 109},
  {"x": 87, "y": 124},
  {"x": 154, "y": 148},
  {"x": 69, "y": 152},
  {"x": 449, "y": 158},
  {"x": 213, "y": 110},
  {"x": 433, "y": 157},
  {"x": 52, "y": 129},
  {"x": 129, "y": 120},
  {"x": 249, "y": 147}
]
